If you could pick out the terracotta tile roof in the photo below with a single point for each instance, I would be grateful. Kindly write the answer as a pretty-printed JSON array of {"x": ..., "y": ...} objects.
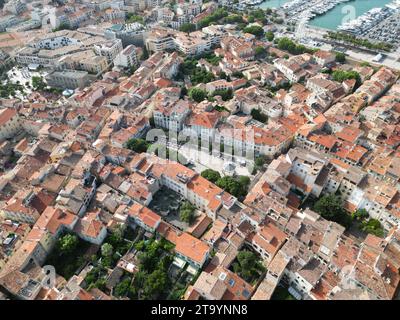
[
  {"x": 270, "y": 238},
  {"x": 205, "y": 119},
  {"x": 327, "y": 141},
  {"x": 53, "y": 218},
  {"x": 185, "y": 244},
  {"x": 89, "y": 226},
  {"x": 6, "y": 115},
  {"x": 147, "y": 216},
  {"x": 349, "y": 134}
]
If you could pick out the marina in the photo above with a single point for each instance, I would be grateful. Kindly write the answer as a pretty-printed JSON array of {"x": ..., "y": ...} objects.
[
  {"x": 326, "y": 14},
  {"x": 344, "y": 13},
  {"x": 366, "y": 21},
  {"x": 370, "y": 19},
  {"x": 273, "y": 4}
]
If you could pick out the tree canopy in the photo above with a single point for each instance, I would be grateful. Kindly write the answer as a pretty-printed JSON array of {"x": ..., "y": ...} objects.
[
  {"x": 331, "y": 208},
  {"x": 291, "y": 46},
  {"x": 341, "y": 75},
  {"x": 201, "y": 75},
  {"x": 360, "y": 215},
  {"x": 187, "y": 212},
  {"x": 259, "y": 116},
  {"x": 269, "y": 35},
  {"x": 254, "y": 29},
  {"x": 156, "y": 282},
  {"x": 38, "y": 83},
  {"x": 225, "y": 94},
  {"x": 122, "y": 288},
  {"x": 362, "y": 42},
  {"x": 107, "y": 250},
  {"x": 372, "y": 226},
  {"x": 187, "y": 27},
  {"x": 235, "y": 186},
  {"x": 365, "y": 223},
  {"x": 197, "y": 94},
  {"x": 260, "y": 51},
  {"x": 152, "y": 278},
  {"x": 137, "y": 145},
  {"x": 260, "y": 161},
  {"x": 131, "y": 18},
  {"x": 211, "y": 175},
  {"x": 340, "y": 57},
  {"x": 212, "y": 18},
  {"x": 248, "y": 266},
  {"x": 68, "y": 243},
  {"x": 257, "y": 15},
  {"x": 233, "y": 18}
]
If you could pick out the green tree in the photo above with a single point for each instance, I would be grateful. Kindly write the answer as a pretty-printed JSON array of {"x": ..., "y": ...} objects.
[
  {"x": 256, "y": 30},
  {"x": 259, "y": 161},
  {"x": 187, "y": 212},
  {"x": 214, "y": 17},
  {"x": 184, "y": 92},
  {"x": 260, "y": 51},
  {"x": 197, "y": 94},
  {"x": 362, "y": 42},
  {"x": 212, "y": 58},
  {"x": 68, "y": 243},
  {"x": 226, "y": 94},
  {"x": 92, "y": 276},
  {"x": 373, "y": 226},
  {"x": 244, "y": 180},
  {"x": 237, "y": 74},
  {"x": 340, "y": 76},
  {"x": 187, "y": 27},
  {"x": 62, "y": 26},
  {"x": 100, "y": 284},
  {"x": 137, "y": 145},
  {"x": 269, "y": 35},
  {"x": 235, "y": 186},
  {"x": 201, "y": 75},
  {"x": 117, "y": 234},
  {"x": 340, "y": 57},
  {"x": 230, "y": 185},
  {"x": 248, "y": 266},
  {"x": 38, "y": 83},
  {"x": 139, "y": 246},
  {"x": 257, "y": 14},
  {"x": 131, "y": 18},
  {"x": 155, "y": 283},
  {"x": 107, "y": 250},
  {"x": 147, "y": 261},
  {"x": 122, "y": 288},
  {"x": 259, "y": 116},
  {"x": 360, "y": 215},
  {"x": 291, "y": 46},
  {"x": 234, "y": 18},
  {"x": 211, "y": 175},
  {"x": 331, "y": 208}
]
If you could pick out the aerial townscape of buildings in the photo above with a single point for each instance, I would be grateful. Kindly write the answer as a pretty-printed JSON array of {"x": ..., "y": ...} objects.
[{"x": 196, "y": 150}]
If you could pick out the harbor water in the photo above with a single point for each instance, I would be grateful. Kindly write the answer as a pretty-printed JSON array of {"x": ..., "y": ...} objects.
[
  {"x": 339, "y": 14},
  {"x": 272, "y": 4}
]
